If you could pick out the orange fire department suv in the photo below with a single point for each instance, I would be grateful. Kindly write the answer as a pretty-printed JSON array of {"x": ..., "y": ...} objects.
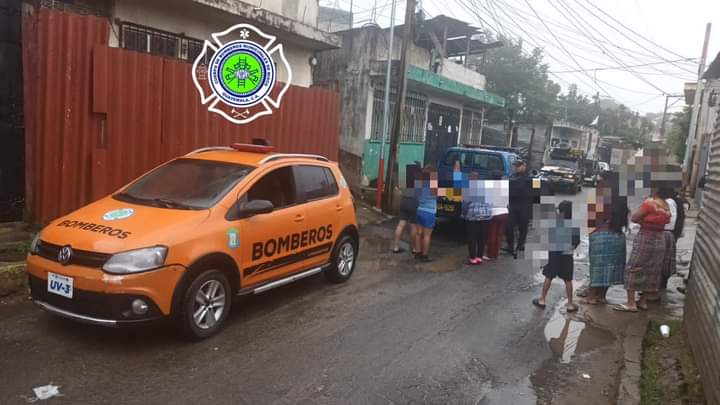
[{"x": 186, "y": 237}]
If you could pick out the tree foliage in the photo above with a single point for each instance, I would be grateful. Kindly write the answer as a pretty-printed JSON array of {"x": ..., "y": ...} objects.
[
  {"x": 677, "y": 137},
  {"x": 524, "y": 82}
]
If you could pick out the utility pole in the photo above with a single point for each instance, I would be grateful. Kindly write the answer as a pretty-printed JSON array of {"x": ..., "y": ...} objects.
[
  {"x": 391, "y": 177},
  {"x": 664, "y": 117},
  {"x": 662, "y": 125},
  {"x": 386, "y": 108},
  {"x": 690, "y": 143}
]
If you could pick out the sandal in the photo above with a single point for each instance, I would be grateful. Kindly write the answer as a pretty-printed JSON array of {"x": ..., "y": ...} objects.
[
  {"x": 536, "y": 302},
  {"x": 642, "y": 307},
  {"x": 624, "y": 308},
  {"x": 571, "y": 308},
  {"x": 398, "y": 250}
]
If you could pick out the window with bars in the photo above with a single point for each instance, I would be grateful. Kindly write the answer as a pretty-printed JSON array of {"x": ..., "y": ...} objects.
[
  {"x": 412, "y": 128},
  {"x": 157, "y": 42},
  {"x": 471, "y": 128}
]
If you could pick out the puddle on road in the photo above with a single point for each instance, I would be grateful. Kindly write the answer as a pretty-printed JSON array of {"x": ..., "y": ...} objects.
[
  {"x": 568, "y": 337},
  {"x": 521, "y": 393}
]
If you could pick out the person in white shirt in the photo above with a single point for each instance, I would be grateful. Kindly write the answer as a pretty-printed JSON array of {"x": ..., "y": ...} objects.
[{"x": 673, "y": 231}]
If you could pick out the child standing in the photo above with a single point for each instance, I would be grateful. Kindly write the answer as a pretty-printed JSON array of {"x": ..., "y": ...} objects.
[{"x": 560, "y": 259}]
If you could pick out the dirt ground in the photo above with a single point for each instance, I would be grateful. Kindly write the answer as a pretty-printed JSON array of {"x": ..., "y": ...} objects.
[{"x": 670, "y": 375}]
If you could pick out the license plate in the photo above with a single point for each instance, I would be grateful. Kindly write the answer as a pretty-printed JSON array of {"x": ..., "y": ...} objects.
[
  {"x": 60, "y": 285},
  {"x": 446, "y": 208}
]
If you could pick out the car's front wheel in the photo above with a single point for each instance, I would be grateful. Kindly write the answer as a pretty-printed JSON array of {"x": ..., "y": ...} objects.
[
  {"x": 343, "y": 260},
  {"x": 205, "y": 305}
]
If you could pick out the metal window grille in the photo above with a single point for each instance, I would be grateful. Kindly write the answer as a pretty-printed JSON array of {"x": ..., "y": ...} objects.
[
  {"x": 157, "y": 42},
  {"x": 412, "y": 128},
  {"x": 471, "y": 128}
]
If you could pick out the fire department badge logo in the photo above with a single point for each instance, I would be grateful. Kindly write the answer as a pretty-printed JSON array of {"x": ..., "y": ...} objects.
[{"x": 236, "y": 73}]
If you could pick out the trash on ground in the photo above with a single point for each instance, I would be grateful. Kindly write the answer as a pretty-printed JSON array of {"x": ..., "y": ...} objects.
[
  {"x": 45, "y": 392},
  {"x": 665, "y": 330},
  {"x": 586, "y": 376}
]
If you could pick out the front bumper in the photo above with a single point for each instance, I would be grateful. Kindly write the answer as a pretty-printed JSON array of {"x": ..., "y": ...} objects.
[
  {"x": 556, "y": 185},
  {"x": 104, "y": 299},
  {"x": 91, "y": 307}
]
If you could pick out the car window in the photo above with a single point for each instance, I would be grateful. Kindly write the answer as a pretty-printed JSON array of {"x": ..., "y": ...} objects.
[
  {"x": 185, "y": 184},
  {"x": 278, "y": 187},
  {"x": 315, "y": 182},
  {"x": 451, "y": 157},
  {"x": 487, "y": 161}
]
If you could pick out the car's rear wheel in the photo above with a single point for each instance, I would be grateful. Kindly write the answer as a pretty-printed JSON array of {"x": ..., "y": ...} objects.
[
  {"x": 205, "y": 305},
  {"x": 343, "y": 260}
]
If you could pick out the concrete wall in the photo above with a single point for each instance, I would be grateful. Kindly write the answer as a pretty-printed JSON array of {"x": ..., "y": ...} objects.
[
  {"x": 199, "y": 22},
  {"x": 408, "y": 154},
  {"x": 462, "y": 74},
  {"x": 347, "y": 70},
  {"x": 305, "y": 11}
]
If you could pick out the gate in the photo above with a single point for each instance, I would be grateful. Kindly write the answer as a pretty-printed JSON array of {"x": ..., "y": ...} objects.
[
  {"x": 99, "y": 116},
  {"x": 442, "y": 128},
  {"x": 12, "y": 155}
]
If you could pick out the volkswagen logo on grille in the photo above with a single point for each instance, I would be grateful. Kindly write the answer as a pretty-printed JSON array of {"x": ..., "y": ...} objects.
[{"x": 65, "y": 254}]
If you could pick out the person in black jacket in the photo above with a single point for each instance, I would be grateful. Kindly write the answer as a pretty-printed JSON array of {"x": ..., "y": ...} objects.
[{"x": 521, "y": 198}]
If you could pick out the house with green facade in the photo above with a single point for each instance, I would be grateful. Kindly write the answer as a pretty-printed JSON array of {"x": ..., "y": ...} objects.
[{"x": 446, "y": 97}]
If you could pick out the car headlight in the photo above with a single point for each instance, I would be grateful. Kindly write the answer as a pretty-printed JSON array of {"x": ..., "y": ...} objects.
[
  {"x": 134, "y": 261},
  {"x": 35, "y": 245}
]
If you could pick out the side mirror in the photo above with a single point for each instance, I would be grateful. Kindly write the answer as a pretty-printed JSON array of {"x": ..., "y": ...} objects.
[
  {"x": 252, "y": 208},
  {"x": 534, "y": 172}
]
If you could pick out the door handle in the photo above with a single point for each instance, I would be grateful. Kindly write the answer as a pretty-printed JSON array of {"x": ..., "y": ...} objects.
[
  {"x": 299, "y": 218},
  {"x": 338, "y": 208}
]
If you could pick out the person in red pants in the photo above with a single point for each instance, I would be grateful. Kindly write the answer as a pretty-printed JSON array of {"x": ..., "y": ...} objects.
[{"x": 496, "y": 231}]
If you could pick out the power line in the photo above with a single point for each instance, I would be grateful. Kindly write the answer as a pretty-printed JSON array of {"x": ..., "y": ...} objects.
[
  {"x": 619, "y": 67},
  {"x": 520, "y": 12},
  {"x": 627, "y": 36},
  {"x": 580, "y": 78},
  {"x": 592, "y": 38},
  {"x": 558, "y": 41}
]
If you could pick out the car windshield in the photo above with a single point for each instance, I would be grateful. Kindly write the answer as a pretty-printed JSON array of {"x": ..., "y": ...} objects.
[{"x": 185, "y": 184}]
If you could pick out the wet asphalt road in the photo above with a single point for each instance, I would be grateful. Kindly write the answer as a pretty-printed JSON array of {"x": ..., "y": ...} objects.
[{"x": 397, "y": 332}]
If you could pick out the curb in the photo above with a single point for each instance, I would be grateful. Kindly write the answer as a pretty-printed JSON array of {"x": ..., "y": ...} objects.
[{"x": 629, "y": 388}]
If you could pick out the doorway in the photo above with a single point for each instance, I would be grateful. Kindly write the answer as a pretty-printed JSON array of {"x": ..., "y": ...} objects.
[
  {"x": 12, "y": 130},
  {"x": 441, "y": 132}
]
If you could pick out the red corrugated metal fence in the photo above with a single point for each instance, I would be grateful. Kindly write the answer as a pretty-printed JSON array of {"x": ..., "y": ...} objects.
[{"x": 97, "y": 117}]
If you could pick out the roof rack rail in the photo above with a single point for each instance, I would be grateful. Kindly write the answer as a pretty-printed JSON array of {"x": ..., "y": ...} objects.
[
  {"x": 293, "y": 155},
  {"x": 209, "y": 148}
]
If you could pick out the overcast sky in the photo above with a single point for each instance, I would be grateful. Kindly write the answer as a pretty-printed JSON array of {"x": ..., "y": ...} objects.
[{"x": 581, "y": 34}]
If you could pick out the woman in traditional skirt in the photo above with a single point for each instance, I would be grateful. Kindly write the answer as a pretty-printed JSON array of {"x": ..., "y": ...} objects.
[
  {"x": 607, "y": 241},
  {"x": 643, "y": 271}
]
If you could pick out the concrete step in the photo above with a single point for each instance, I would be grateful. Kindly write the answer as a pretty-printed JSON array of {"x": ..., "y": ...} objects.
[
  {"x": 10, "y": 227},
  {"x": 9, "y": 237}
]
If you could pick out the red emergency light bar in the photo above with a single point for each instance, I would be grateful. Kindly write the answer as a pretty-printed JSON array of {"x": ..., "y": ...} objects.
[{"x": 247, "y": 147}]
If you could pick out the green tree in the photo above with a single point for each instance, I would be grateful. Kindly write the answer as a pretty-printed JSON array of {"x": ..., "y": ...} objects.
[
  {"x": 675, "y": 141},
  {"x": 523, "y": 81}
]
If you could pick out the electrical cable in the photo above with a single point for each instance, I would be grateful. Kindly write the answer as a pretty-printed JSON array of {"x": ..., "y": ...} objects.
[
  {"x": 560, "y": 43},
  {"x": 592, "y": 38},
  {"x": 574, "y": 40},
  {"x": 627, "y": 36}
]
